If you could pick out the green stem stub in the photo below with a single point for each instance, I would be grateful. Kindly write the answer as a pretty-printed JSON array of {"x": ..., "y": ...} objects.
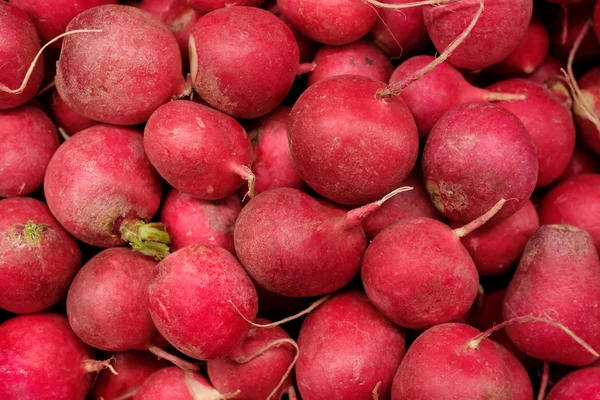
[{"x": 150, "y": 239}]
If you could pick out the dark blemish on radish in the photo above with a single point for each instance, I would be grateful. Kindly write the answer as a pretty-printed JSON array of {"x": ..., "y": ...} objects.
[{"x": 369, "y": 61}]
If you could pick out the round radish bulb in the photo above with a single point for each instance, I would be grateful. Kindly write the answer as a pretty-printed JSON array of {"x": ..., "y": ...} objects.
[
  {"x": 205, "y": 6},
  {"x": 426, "y": 259},
  {"x": 400, "y": 34},
  {"x": 476, "y": 154},
  {"x": 519, "y": 379},
  {"x": 574, "y": 202},
  {"x": 272, "y": 164},
  {"x": 38, "y": 258},
  {"x": 133, "y": 367},
  {"x": 545, "y": 281},
  {"x": 495, "y": 248},
  {"x": 118, "y": 84},
  {"x": 553, "y": 151},
  {"x": 549, "y": 68},
  {"x": 177, "y": 384},
  {"x": 589, "y": 134},
  {"x": 496, "y": 34},
  {"x": 358, "y": 58},
  {"x": 255, "y": 378},
  {"x": 577, "y": 16},
  {"x": 194, "y": 221},
  {"x": 66, "y": 118},
  {"x": 412, "y": 204},
  {"x": 29, "y": 140},
  {"x": 19, "y": 44},
  {"x": 331, "y": 22},
  {"x": 209, "y": 155},
  {"x": 582, "y": 162},
  {"x": 352, "y": 163},
  {"x": 438, "y": 365},
  {"x": 202, "y": 283},
  {"x": 100, "y": 186},
  {"x": 582, "y": 384},
  {"x": 255, "y": 78},
  {"x": 340, "y": 343}
]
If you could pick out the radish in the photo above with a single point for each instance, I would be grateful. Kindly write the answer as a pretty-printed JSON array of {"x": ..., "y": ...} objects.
[
  {"x": 41, "y": 358},
  {"x": 272, "y": 164},
  {"x": 200, "y": 283},
  {"x": 148, "y": 60},
  {"x": 175, "y": 384},
  {"x": 298, "y": 246},
  {"x": 586, "y": 114},
  {"x": 307, "y": 47},
  {"x": 561, "y": 40},
  {"x": 497, "y": 33},
  {"x": 38, "y": 258},
  {"x": 29, "y": 140},
  {"x": 66, "y": 118},
  {"x": 581, "y": 384},
  {"x": 476, "y": 154},
  {"x": 553, "y": 151},
  {"x": 101, "y": 187},
  {"x": 574, "y": 202},
  {"x": 247, "y": 92},
  {"x": 259, "y": 367},
  {"x": 331, "y": 154},
  {"x": 357, "y": 58},
  {"x": 333, "y": 23},
  {"x": 549, "y": 68},
  {"x": 198, "y": 150},
  {"x": 582, "y": 162},
  {"x": 205, "y": 6},
  {"x": 400, "y": 34},
  {"x": 544, "y": 284},
  {"x": 438, "y": 91},
  {"x": 190, "y": 220},
  {"x": 438, "y": 365},
  {"x": 519, "y": 379},
  {"x": 340, "y": 342},
  {"x": 19, "y": 45}
]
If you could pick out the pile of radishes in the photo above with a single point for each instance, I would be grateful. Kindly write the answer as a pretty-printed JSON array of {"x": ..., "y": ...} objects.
[{"x": 301, "y": 199}]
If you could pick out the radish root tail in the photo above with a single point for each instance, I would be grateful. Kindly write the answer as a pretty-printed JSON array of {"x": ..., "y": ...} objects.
[
  {"x": 409, "y": 5},
  {"x": 181, "y": 363},
  {"x": 544, "y": 383},
  {"x": 376, "y": 391},
  {"x": 97, "y": 366},
  {"x": 479, "y": 222}
]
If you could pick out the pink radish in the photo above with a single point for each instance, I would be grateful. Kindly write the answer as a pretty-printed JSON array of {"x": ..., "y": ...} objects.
[
  {"x": 340, "y": 342},
  {"x": 218, "y": 77},
  {"x": 190, "y": 220},
  {"x": 586, "y": 114},
  {"x": 544, "y": 284},
  {"x": 176, "y": 384},
  {"x": 549, "y": 68},
  {"x": 497, "y": 33},
  {"x": 148, "y": 59},
  {"x": 333, "y": 23},
  {"x": 582, "y": 162},
  {"x": 29, "y": 140},
  {"x": 582, "y": 384},
  {"x": 561, "y": 42},
  {"x": 202, "y": 283},
  {"x": 357, "y": 58},
  {"x": 101, "y": 187},
  {"x": 205, "y": 6},
  {"x": 66, "y": 118},
  {"x": 491, "y": 156},
  {"x": 519, "y": 379},
  {"x": 208, "y": 157},
  {"x": 18, "y": 47},
  {"x": 38, "y": 258},
  {"x": 331, "y": 155}
]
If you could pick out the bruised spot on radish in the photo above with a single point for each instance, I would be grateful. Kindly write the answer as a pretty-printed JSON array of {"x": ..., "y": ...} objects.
[{"x": 436, "y": 198}]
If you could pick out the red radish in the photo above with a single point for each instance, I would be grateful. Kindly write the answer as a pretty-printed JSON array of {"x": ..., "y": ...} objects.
[
  {"x": 412, "y": 204},
  {"x": 577, "y": 16},
  {"x": 340, "y": 343},
  {"x": 352, "y": 163},
  {"x": 519, "y": 379},
  {"x": 272, "y": 164},
  {"x": 133, "y": 368},
  {"x": 553, "y": 151},
  {"x": 257, "y": 366},
  {"x": 497, "y": 33},
  {"x": 549, "y": 68},
  {"x": 148, "y": 59},
  {"x": 19, "y": 45},
  {"x": 190, "y": 220},
  {"x": 582, "y": 162},
  {"x": 438, "y": 91},
  {"x": 438, "y": 365},
  {"x": 574, "y": 202},
  {"x": 298, "y": 246},
  {"x": 589, "y": 132},
  {"x": 400, "y": 34},
  {"x": 307, "y": 47},
  {"x": 545, "y": 284},
  {"x": 596, "y": 19},
  {"x": 40, "y": 357},
  {"x": 357, "y": 58},
  {"x": 217, "y": 73},
  {"x": 101, "y": 187},
  {"x": 333, "y": 23},
  {"x": 205, "y": 6},
  {"x": 176, "y": 384},
  {"x": 29, "y": 140},
  {"x": 476, "y": 154},
  {"x": 198, "y": 150},
  {"x": 38, "y": 258},
  {"x": 583, "y": 384},
  {"x": 200, "y": 283},
  {"x": 66, "y": 118}
]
